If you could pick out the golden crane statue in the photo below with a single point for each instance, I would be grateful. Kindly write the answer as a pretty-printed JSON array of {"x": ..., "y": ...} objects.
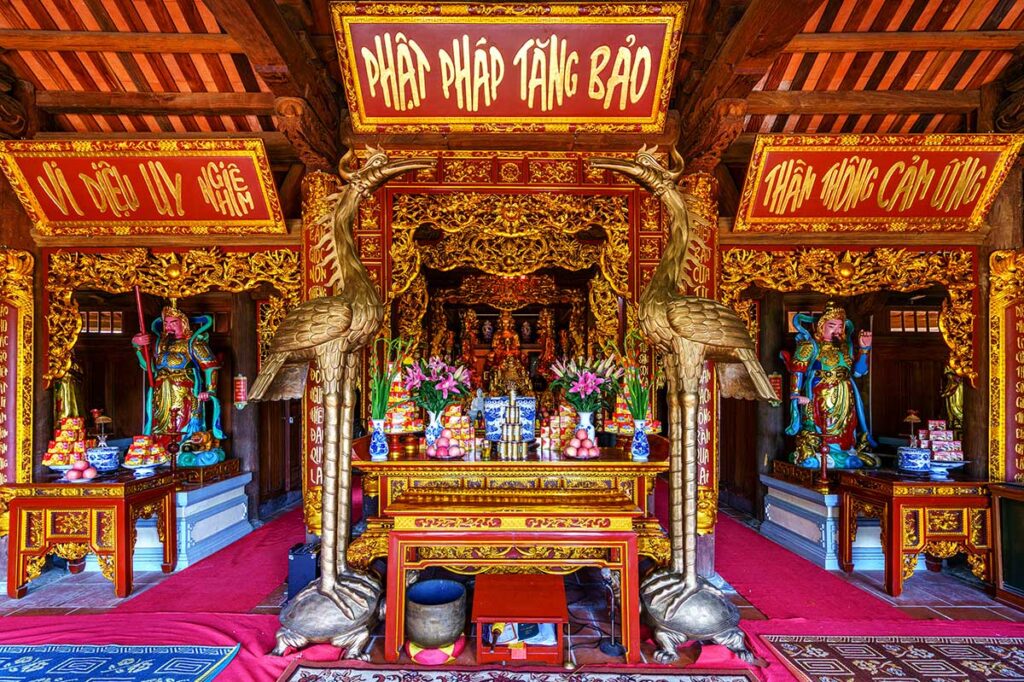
[
  {"x": 340, "y": 608},
  {"x": 688, "y": 330}
]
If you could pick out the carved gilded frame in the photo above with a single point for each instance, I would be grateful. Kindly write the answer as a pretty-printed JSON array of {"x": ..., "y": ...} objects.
[
  {"x": 169, "y": 274},
  {"x": 848, "y": 273},
  {"x": 16, "y": 290},
  {"x": 1006, "y": 287},
  {"x": 510, "y": 234}
]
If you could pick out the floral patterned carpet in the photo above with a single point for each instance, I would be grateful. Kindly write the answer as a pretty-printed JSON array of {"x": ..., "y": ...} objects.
[
  {"x": 818, "y": 658},
  {"x": 301, "y": 671}
]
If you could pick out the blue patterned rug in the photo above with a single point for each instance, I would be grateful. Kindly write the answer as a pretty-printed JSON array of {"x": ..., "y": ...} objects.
[{"x": 86, "y": 663}]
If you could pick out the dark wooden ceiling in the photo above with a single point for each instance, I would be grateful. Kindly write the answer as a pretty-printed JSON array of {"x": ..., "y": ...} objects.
[{"x": 118, "y": 67}]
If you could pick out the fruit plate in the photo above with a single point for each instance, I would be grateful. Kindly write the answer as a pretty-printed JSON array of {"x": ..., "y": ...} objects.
[
  {"x": 143, "y": 469},
  {"x": 60, "y": 467},
  {"x": 940, "y": 470}
]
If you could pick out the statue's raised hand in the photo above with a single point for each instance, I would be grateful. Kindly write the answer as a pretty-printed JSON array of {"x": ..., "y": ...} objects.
[{"x": 864, "y": 339}]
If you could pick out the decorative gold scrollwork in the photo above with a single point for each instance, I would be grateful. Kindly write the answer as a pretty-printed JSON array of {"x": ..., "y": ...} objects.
[
  {"x": 165, "y": 274},
  {"x": 107, "y": 566},
  {"x": 848, "y": 273},
  {"x": 909, "y": 564},
  {"x": 946, "y": 520}
]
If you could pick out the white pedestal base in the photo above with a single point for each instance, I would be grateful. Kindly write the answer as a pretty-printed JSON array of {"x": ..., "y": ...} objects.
[
  {"x": 806, "y": 522},
  {"x": 209, "y": 519}
]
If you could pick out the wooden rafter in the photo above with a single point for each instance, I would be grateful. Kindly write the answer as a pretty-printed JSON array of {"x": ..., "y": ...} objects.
[
  {"x": 863, "y": 102},
  {"x": 181, "y": 103},
  {"x": 712, "y": 114},
  {"x": 906, "y": 41},
  {"x": 118, "y": 41},
  {"x": 291, "y": 71}
]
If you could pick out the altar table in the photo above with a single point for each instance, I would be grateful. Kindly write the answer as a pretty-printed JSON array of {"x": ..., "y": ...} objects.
[
  {"x": 478, "y": 515},
  {"x": 71, "y": 520},
  {"x": 939, "y": 518}
]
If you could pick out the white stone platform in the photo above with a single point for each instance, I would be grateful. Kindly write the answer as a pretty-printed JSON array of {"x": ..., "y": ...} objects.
[
  {"x": 209, "y": 519},
  {"x": 806, "y": 522}
]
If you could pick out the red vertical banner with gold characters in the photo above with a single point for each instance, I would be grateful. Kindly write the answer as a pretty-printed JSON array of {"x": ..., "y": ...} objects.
[
  {"x": 700, "y": 274},
  {"x": 16, "y": 334},
  {"x": 316, "y": 187}
]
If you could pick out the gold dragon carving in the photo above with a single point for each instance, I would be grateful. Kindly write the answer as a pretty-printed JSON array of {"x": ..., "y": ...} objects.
[
  {"x": 165, "y": 274},
  {"x": 848, "y": 273}
]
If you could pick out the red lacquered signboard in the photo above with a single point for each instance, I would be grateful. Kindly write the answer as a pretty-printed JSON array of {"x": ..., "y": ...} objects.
[
  {"x": 488, "y": 67},
  {"x": 143, "y": 187},
  {"x": 886, "y": 183}
]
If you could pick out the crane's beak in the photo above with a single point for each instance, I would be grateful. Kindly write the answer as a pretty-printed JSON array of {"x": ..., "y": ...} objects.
[
  {"x": 624, "y": 166},
  {"x": 396, "y": 168}
]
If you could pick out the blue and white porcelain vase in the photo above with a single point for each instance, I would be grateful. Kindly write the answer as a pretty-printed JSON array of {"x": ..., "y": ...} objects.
[
  {"x": 378, "y": 441},
  {"x": 494, "y": 416},
  {"x": 640, "y": 450},
  {"x": 585, "y": 420},
  {"x": 434, "y": 427}
]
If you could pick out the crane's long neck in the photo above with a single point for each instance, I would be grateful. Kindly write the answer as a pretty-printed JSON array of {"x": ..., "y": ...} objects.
[
  {"x": 350, "y": 271},
  {"x": 670, "y": 270}
]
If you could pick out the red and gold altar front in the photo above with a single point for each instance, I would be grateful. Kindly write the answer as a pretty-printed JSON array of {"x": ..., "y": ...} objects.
[{"x": 482, "y": 514}]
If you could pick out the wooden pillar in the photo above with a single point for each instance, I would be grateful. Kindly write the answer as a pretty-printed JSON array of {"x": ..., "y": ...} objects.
[
  {"x": 771, "y": 420},
  {"x": 1006, "y": 229},
  {"x": 245, "y": 435}
]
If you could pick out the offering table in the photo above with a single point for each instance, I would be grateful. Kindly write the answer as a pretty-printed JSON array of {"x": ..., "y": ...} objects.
[
  {"x": 71, "y": 520},
  {"x": 476, "y": 515},
  {"x": 938, "y": 517}
]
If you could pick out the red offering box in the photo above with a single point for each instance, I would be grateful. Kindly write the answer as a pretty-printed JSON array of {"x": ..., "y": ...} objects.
[{"x": 526, "y": 598}]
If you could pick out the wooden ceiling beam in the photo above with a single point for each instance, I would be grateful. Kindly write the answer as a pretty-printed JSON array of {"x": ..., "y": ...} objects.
[
  {"x": 292, "y": 70},
  {"x": 900, "y": 41},
  {"x": 796, "y": 102},
  {"x": 712, "y": 114},
  {"x": 116, "y": 41},
  {"x": 198, "y": 103}
]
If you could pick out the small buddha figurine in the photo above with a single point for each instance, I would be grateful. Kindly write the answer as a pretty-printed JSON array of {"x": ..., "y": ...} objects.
[
  {"x": 488, "y": 330},
  {"x": 506, "y": 358},
  {"x": 525, "y": 332}
]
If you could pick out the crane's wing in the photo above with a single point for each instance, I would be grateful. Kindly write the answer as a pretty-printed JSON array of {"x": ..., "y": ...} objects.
[
  {"x": 313, "y": 323},
  {"x": 728, "y": 342},
  {"x": 282, "y": 377}
]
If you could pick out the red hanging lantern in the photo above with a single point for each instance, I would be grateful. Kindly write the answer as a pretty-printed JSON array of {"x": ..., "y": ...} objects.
[{"x": 241, "y": 391}]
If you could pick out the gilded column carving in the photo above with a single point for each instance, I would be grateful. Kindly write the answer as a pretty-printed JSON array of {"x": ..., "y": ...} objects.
[
  {"x": 16, "y": 370},
  {"x": 1006, "y": 373}
]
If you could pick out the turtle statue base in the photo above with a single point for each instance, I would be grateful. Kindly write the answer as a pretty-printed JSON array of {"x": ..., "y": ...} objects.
[{"x": 703, "y": 615}]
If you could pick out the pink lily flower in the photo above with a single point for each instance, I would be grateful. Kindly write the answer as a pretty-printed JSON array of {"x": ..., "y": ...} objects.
[{"x": 413, "y": 377}]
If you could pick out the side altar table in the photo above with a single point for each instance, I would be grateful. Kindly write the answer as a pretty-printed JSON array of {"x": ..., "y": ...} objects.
[
  {"x": 479, "y": 515},
  {"x": 939, "y": 518},
  {"x": 72, "y": 520}
]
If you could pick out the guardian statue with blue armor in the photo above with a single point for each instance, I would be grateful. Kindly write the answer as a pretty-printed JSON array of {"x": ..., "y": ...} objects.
[
  {"x": 185, "y": 373},
  {"x": 825, "y": 407}
]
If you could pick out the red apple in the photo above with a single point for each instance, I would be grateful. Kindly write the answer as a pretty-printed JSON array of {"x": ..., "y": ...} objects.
[
  {"x": 442, "y": 451},
  {"x": 73, "y": 475},
  {"x": 455, "y": 451},
  {"x": 442, "y": 442},
  {"x": 446, "y": 433},
  {"x": 431, "y": 450},
  {"x": 90, "y": 473},
  {"x": 575, "y": 442},
  {"x": 571, "y": 451},
  {"x": 80, "y": 465},
  {"x": 581, "y": 434}
]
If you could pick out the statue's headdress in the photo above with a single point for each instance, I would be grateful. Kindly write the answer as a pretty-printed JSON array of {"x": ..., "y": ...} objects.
[
  {"x": 172, "y": 311},
  {"x": 833, "y": 311}
]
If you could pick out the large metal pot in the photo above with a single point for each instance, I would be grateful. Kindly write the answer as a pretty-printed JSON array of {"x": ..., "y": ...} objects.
[{"x": 435, "y": 612}]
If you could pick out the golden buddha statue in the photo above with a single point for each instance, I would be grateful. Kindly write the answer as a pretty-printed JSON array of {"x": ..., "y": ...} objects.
[{"x": 506, "y": 359}]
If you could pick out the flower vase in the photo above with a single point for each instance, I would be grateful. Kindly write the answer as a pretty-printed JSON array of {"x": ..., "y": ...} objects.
[
  {"x": 378, "y": 442},
  {"x": 640, "y": 450},
  {"x": 434, "y": 427},
  {"x": 586, "y": 421}
]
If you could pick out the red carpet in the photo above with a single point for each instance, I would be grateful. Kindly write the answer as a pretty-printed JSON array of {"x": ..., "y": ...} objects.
[
  {"x": 783, "y": 585},
  {"x": 778, "y": 582},
  {"x": 234, "y": 580}
]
